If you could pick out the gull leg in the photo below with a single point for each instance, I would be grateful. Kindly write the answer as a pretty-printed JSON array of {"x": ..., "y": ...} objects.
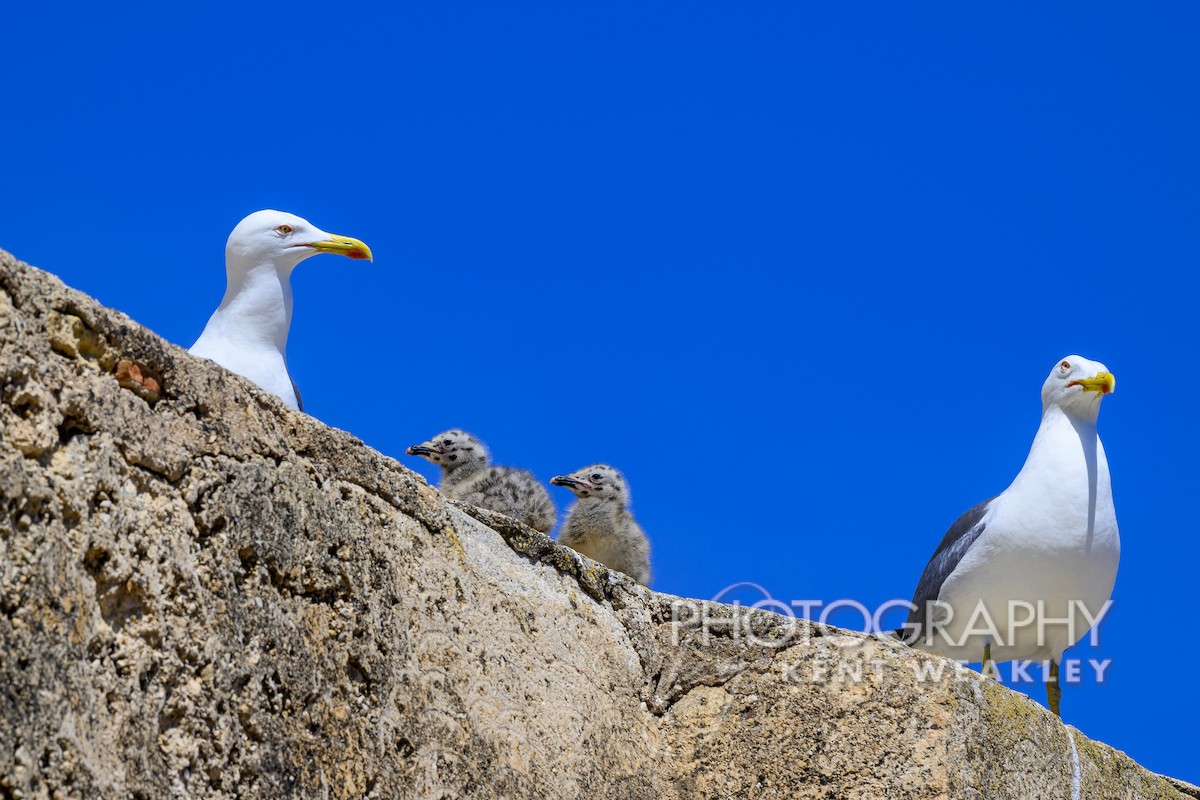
[
  {"x": 1054, "y": 690},
  {"x": 988, "y": 667}
]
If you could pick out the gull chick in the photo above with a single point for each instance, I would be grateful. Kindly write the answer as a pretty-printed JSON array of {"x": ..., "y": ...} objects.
[
  {"x": 600, "y": 524},
  {"x": 248, "y": 332},
  {"x": 468, "y": 475}
]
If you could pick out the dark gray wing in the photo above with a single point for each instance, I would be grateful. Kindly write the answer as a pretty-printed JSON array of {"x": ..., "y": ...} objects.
[
  {"x": 954, "y": 545},
  {"x": 296, "y": 389}
]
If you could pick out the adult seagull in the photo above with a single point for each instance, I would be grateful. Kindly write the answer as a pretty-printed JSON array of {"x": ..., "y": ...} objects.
[
  {"x": 1026, "y": 574},
  {"x": 248, "y": 332}
]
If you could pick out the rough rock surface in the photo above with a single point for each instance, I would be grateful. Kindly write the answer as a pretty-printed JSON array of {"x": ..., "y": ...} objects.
[{"x": 206, "y": 594}]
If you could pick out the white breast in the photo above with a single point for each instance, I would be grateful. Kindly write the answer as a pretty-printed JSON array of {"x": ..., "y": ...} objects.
[{"x": 1050, "y": 548}]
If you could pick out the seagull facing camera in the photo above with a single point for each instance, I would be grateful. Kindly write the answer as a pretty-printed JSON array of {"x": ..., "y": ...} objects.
[
  {"x": 248, "y": 332},
  {"x": 1078, "y": 383},
  {"x": 1025, "y": 575}
]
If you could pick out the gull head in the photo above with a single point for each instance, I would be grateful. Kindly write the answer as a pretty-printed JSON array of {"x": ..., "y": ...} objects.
[
  {"x": 452, "y": 449},
  {"x": 1077, "y": 383},
  {"x": 597, "y": 481},
  {"x": 283, "y": 240}
]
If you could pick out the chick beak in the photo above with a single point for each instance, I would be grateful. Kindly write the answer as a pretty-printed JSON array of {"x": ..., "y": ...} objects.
[
  {"x": 568, "y": 481},
  {"x": 1103, "y": 382},
  {"x": 422, "y": 450}
]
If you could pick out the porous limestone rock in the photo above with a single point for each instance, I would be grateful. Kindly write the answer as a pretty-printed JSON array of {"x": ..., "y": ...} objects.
[{"x": 205, "y": 594}]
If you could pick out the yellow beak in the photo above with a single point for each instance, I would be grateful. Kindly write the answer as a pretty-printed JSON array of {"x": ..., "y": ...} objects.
[
  {"x": 343, "y": 246},
  {"x": 1104, "y": 383}
]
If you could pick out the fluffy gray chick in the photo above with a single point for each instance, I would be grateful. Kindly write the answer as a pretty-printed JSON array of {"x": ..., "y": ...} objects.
[
  {"x": 600, "y": 524},
  {"x": 467, "y": 475}
]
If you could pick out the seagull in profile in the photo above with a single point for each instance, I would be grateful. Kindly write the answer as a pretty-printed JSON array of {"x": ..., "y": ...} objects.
[
  {"x": 248, "y": 332},
  {"x": 1025, "y": 575},
  {"x": 600, "y": 524},
  {"x": 469, "y": 475}
]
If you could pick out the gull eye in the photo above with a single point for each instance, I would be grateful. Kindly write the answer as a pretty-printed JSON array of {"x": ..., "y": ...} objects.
[
  {"x": 1064, "y": 366},
  {"x": 284, "y": 229},
  {"x": 447, "y": 442},
  {"x": 596, "y": 476}
]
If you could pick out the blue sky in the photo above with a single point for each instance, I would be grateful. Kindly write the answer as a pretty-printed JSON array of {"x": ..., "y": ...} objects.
[{"x": 798, "y": 269}]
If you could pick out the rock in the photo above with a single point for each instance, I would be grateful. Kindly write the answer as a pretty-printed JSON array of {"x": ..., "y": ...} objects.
[
  {"x": 206, "y": 594},
  {"x": 137, "y": 379},
  {"x": 72, "y": 337}
]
